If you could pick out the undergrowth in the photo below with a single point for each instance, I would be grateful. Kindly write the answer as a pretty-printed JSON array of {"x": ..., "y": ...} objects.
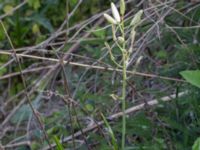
[{"x": 94, "y": 84}]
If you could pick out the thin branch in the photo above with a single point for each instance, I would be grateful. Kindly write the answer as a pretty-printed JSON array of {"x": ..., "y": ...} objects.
[
  {"x": 24, "y": 143},
  {"x": 25, "y": 72},
  {"x": 94, "y": 67},
  {"x": 25, "y": 84}
]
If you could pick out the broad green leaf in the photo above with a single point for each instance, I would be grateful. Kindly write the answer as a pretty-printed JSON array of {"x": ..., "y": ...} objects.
[
  {"x": 192, "y": 76},
  {"x": 196, "y": 145}
]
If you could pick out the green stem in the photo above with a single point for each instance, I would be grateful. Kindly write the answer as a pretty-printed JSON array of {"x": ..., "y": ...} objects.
[
  {"x": 123, "y": 88},
  {"x": 124, "y": 102}
]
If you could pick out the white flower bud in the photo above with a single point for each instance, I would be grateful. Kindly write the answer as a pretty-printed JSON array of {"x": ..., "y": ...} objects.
[
  {"x": 139, "y": 60},
  {"x": 115, "y": 13},
  {"x": 136, "y": 20},
  {"x": 110, "y": 19},
  {"x": 120, "y": 40},
  {"x": 122, "y": 7}
]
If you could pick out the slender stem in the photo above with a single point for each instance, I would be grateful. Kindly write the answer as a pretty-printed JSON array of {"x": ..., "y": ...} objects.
[
  {"x": 123, "y": 87},
  {"x": 124, "y": 103}
]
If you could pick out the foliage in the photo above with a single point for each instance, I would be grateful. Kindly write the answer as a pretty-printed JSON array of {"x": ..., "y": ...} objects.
[
  {"x": 192, "y": 77},
  {"x": 168, "y": 41},
  {"x": 196, "y": 145},
  {"x": 59, "y": 145}
]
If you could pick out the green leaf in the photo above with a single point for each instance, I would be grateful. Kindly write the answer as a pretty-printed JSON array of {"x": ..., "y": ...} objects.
[
  {"x": 110, "y": 131},
  {"x": 58, "y": 144},
  {"x": 89, "y": 107},
  {"x": 34, "y": 3},
  {"x": 196, "y": 145},
  {"x": 99, "y": 33},
  {"x": 22, "y": 114},
  {"x": 192, "y": 76},
  {"x": 73, "y": 2},
  {"x": 162, "y": 54},
  {"x": 3, "y": 70},
  {"x": 43, "y": 21},
  {"x": 2, "y": 34}
]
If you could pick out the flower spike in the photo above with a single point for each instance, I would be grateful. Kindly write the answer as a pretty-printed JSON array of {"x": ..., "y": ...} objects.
[
  {"x": 115, "y": 13},
  {"x": 110, "y": 19}
]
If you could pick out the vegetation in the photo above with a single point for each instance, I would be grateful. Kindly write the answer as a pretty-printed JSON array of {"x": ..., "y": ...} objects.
[{"x": 121, "y": 75}]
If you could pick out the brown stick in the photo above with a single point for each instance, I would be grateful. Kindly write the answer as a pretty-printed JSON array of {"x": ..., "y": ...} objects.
[
  {"x": 28, "y": 143},
  {"x": 91, "y": 66}
]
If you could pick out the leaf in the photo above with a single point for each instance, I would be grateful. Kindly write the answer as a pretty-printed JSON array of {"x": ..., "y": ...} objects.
[
  {"x": 100, "y": 33},
  {"x": 110, "y": 131},
  {"x": 42, "y": 20},
  {"x": 3, "y": 70},
  {"x": 51, "y": 2},
  {"x": 58, "y": 144},
  {"x": 196, "y": 145},
  {"x": 34, "y": 3},
  {"x": 161, "y": 54},
  {"x": 192, "y": 76},
  {"x": 73, "y": 2},
  {"x": 89, "y": 105},
  {"x": 22, "y": 114}
]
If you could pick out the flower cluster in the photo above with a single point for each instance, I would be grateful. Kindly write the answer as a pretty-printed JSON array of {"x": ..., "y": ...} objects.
[{"x": 116, "y": 19}]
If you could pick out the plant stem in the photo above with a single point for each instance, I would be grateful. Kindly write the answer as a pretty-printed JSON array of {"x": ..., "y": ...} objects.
[
  {"x": 124, "y": 53},
  {"x": 124, "y": 103}
]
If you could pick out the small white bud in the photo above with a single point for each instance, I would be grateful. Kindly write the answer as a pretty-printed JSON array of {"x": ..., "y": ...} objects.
[
  {"x": 122, "y": 7},
  {"x": 136, "y": 20},
  {"x": 115, "y": 13},
  {"x": 120, "y": 40},
  {"x": 139, "y": 60},
  {"x": 110, "y": 19},
  {"x": 114, "y": 97},
  {"x": 130, "y": 50}
]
